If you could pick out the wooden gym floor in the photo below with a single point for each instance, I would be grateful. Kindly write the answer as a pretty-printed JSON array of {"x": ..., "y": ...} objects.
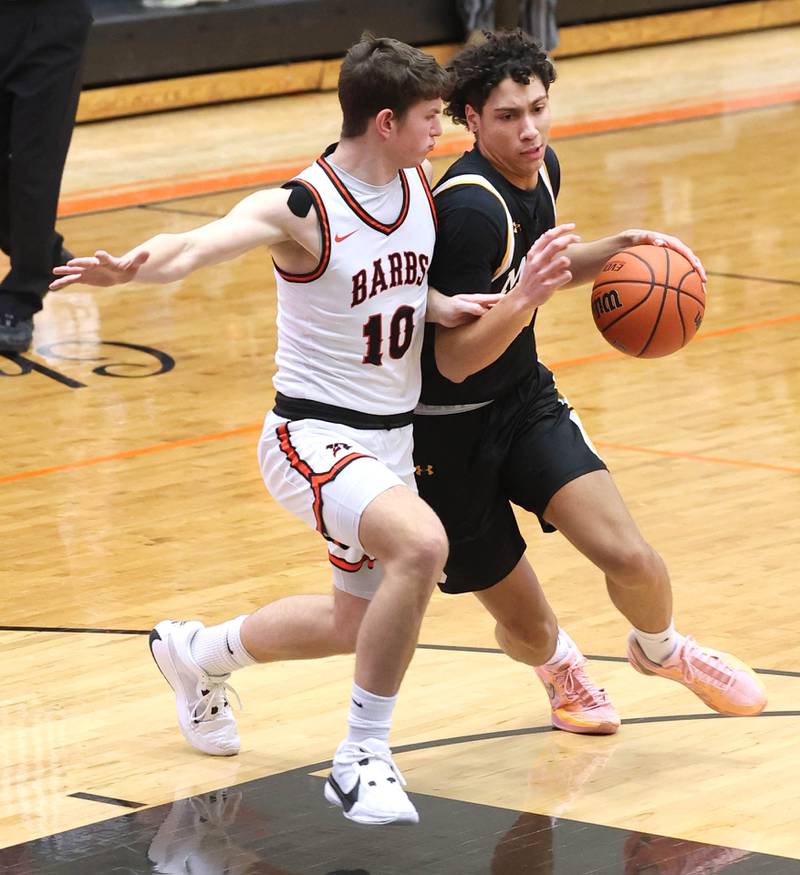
[{"x": 131, "y": 493}]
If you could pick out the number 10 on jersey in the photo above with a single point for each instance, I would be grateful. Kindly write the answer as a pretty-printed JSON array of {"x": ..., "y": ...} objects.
[{"x": 401, "y": 332}]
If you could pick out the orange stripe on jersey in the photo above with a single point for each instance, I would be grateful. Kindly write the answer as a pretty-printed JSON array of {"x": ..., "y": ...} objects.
[
  {"x": 315, "y": 480},
  {"x": 351, "y": 566},
  {"x": 325, "y": 256},
  {"x": 427, "y": 189},
  {"x": 356, "y": 207}
]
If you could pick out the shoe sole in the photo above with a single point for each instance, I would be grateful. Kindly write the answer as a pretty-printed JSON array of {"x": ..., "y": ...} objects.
[
  {"x": 586, "y": 729},
  {"x": 170, "y": 675},
  {"x": 332, "y": 797},
  {"x": 753, "y": 711}
]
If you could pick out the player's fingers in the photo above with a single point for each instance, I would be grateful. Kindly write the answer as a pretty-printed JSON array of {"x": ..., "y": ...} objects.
[
  {"x": 85, "y": 261},
  {"x": 547, "y": 248},
  {"x": 487, "y": 299},
  {"x": 105, "y": 259},
  {"x": 67, "y": 270},
  {"x": 133, "y": 264},
  {"x": 63, "y": 282}
]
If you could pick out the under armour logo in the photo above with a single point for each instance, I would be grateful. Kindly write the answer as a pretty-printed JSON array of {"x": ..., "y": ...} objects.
[
  {"x": 336, "y": 448},
  {"x": 551, "y": 691},
  {"x": 419, "y": 470},
  {"x": 517, "y": 227}
]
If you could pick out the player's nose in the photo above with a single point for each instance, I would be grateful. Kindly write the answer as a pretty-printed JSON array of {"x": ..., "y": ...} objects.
[{"x": 529, "y": 130}]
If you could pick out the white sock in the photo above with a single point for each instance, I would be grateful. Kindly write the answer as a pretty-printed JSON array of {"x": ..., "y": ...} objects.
[
  {"x": 218, "y": 650},
  {"x": 370, "y": 715},
  {"x": 564, "y": 646},
  {"x": 658, "y": 646}
]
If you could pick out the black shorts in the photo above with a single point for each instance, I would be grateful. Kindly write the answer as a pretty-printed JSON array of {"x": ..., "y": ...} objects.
[{"x": 521, "y": 449}]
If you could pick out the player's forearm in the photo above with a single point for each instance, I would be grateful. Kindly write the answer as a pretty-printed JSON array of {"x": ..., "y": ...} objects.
[
  {"x": 586, "y": 259},
  {"x": 470, "y": 348},
  {"x": 170, "y": 259}
]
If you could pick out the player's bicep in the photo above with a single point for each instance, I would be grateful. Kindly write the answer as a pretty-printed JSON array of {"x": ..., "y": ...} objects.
[
  {"x": 261, "y": 219},
  {"x": 469, "y": 248}
]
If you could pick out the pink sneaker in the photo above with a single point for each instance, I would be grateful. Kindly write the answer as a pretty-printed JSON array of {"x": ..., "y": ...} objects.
[
  {"x": 719, "y": 679},
  {"x": 578, "y": 704}
]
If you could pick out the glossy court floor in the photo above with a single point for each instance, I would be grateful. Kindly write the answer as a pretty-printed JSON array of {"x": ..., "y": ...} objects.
[{"x": 130, "y": 492}]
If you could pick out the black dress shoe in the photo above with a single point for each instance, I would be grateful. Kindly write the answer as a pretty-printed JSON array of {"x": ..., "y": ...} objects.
[{"x": 16, "y": 332}]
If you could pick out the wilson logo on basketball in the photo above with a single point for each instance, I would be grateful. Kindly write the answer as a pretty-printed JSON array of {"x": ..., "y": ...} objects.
[{"x": 606, "y": 303}]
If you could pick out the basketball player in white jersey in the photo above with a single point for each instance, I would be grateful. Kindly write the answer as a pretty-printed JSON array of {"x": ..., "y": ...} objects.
[{"x": 351, "y": 238}]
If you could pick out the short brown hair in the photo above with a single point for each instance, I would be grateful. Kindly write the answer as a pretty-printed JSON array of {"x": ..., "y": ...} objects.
[{"x": 383, "y": 73}]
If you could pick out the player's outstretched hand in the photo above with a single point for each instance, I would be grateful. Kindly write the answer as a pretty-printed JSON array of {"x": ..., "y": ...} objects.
[
  {"x": 547, "y": 267},
  {"x": 101, "y": 269},
  {"x": 640, "y": 237}
]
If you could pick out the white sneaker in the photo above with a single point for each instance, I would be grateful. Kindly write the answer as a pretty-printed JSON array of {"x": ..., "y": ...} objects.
[
  {"x": 366, "y": 784},
  {"x": 204, "y": 715}
]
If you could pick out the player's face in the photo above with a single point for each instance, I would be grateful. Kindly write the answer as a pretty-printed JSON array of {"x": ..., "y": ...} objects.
[
  {"x": 417, "y": 131},
  {"x": 514, "y": 129}
]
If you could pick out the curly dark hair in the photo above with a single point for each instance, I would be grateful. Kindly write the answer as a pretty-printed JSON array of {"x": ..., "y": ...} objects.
[{"x": 478, "y": 69}]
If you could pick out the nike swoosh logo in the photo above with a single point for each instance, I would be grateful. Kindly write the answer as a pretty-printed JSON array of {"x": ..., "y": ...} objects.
[
  {"x": 348, "y": 799},
  {"x": 228, "y": 645},
  {"x": 339, "y": 237},
  {"x": 357, "y": 704}
]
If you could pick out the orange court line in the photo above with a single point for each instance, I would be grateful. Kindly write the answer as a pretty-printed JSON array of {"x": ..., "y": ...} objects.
[
  {"x": 694, "y": 457},
  {"x": 245, "y": 429},
  {"x": 227, "y": 179},
  {"x": 706, "y": 335},
  {"x": 131, "y": 454}
]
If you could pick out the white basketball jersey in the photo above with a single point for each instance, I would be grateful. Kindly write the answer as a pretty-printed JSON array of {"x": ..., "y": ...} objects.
[{"x": 350, "y": 331}]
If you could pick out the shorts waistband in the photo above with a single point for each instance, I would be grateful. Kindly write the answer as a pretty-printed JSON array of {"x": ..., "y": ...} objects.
[
  {"x": 305, "y": 408},
  {"x": 447, "y": 409}
]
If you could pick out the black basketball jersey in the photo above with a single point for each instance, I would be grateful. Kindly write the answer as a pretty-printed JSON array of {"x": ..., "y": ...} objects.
[{"x": 486, "y": 226}]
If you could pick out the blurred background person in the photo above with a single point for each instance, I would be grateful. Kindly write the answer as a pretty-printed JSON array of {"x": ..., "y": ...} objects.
[
  {"x": 41, "y": 49},
  {"x": 535, "y": 17}
]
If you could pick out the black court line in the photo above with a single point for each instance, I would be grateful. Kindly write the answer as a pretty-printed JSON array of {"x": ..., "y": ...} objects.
[
  {"x": 74, "y": 629},
  {"x": 758, "y": 279},
  {"x": 539, "y": 730},
  {"x": 109, "y": 800},
  {"x": 634, "y": 127},
  {"x": 595, "y": 657}
]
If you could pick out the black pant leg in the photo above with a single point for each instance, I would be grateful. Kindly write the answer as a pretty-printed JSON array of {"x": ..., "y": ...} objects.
[
  {"x": 5, "y": 168},
  {"x": 44, "y": 87}
]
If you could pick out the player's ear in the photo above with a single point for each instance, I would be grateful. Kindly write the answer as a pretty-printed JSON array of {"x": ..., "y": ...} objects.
[
  {"x": 472, "y": 117},
  {"x": 385, "y": 122}
]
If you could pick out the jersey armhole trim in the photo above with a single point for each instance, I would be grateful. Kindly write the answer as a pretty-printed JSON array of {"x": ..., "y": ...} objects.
[
  {"x": 545, "y": 175},
  {"x": 325, "y": 255},
  {"x": 475, "y": 179},
  {"x": 427, "y": 189}
]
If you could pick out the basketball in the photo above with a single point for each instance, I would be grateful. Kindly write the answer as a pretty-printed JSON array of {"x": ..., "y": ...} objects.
[{"x": 648, "y": 301}]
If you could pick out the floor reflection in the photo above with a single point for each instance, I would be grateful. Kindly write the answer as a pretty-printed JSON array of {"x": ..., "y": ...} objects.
[{"x": 281, "y": 826}]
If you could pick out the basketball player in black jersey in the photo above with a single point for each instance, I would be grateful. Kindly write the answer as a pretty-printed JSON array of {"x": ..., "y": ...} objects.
[{"x": 491, "y": 429}]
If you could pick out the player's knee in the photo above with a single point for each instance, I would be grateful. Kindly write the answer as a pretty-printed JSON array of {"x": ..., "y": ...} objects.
[
  {"x": 636, "y": 562},
  {"x": 422, "y": 557},
  {"x": 433, "y": 551}
]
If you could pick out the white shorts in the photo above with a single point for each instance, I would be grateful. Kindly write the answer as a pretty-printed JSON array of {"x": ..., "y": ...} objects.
[{"x": 326, "y": 474}]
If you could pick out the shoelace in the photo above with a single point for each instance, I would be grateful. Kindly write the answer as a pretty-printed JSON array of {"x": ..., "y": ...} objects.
[
  {"x": 690, "y": 651},
  {"x": 356, "y": 753},
  {"x": 576, "y": 682},
  {"x": 213, "y": 695}
]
